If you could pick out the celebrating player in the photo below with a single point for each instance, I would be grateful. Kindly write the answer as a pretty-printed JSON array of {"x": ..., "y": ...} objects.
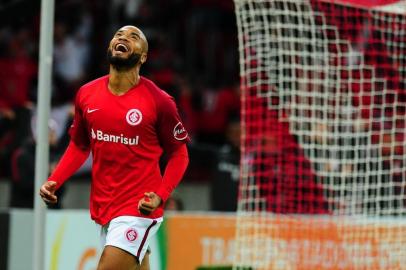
[{"x": 127, "y": 122}]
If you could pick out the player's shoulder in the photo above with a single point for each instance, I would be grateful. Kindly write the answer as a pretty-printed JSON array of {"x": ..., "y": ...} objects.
[
  {"x": 154, "y": 90},
  {"x": 93, "y": 84}
]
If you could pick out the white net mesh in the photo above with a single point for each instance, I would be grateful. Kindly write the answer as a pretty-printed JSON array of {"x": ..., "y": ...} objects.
[{"x": 323, "y": 181}]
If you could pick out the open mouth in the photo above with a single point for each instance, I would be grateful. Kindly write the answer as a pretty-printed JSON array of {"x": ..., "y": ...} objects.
[{"x": 121, "y": 47}]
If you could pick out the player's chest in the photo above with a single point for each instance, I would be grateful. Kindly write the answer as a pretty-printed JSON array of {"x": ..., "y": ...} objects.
[{"x": 130, "y": 113}]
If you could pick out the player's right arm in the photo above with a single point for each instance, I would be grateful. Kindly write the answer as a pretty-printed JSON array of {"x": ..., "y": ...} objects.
[
  {"x": 71, "y": 161},
  {"x": 75, "y": 155}
]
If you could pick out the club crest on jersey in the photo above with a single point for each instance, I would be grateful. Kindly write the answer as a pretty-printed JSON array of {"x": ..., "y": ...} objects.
[
  {"x": 179, "y": 132},
  {"x": 133, "y": 117},
  {"x": 131, "y": 235}
]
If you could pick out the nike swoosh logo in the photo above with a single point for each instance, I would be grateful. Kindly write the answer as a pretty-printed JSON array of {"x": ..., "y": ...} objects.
[{"x": 93, "y": 110}]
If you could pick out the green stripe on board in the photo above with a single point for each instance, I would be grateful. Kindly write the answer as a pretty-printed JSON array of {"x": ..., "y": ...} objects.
[{"x": 163, "y": 244}]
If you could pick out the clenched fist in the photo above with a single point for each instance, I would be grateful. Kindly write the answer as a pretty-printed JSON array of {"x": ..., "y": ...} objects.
[
  {"x": 47, "y": 192},
  {"x": 149, "y": 203}
]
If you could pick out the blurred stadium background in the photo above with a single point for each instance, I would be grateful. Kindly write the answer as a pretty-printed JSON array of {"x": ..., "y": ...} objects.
[{"x": 316, "y": 90}]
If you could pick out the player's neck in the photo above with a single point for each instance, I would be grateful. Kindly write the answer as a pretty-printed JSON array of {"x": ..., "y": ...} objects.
[{"x": 122, "y": 81}]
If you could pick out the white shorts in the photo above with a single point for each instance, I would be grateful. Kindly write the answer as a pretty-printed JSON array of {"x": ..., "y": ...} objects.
[{"x": 130, "y": 233}]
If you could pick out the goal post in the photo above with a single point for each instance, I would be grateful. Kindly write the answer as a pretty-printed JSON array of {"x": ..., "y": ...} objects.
[{"x": 323, "y": 165}]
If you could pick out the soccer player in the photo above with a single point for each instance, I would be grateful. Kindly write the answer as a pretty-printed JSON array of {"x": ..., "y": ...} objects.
[{"x": 127, "y": 123}]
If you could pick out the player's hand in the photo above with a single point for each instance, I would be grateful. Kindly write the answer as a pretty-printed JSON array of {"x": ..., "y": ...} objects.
[
  {"x": 149, "y": 203},
  {"x": 47, "y": 192}
]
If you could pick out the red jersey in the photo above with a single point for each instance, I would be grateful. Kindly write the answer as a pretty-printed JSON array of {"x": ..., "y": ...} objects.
[{"x": 127, "y": 135}]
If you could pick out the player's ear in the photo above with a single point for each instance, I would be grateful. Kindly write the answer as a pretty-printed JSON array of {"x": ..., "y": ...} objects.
[{"x": 143, "y": 58}]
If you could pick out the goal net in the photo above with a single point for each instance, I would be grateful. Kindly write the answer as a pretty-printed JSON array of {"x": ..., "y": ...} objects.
[{"x": 323, "y": 166}]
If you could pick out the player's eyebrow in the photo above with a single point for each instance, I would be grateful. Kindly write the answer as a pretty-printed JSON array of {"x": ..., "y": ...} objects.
[
  {"x": 135, "y": 34},
  {"x": 132, "y": 33}
]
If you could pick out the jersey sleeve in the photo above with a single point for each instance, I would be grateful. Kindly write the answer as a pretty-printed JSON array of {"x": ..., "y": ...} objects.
[
  {"x": 78, "y": 131},
  {"x": 171, "y": 132}
]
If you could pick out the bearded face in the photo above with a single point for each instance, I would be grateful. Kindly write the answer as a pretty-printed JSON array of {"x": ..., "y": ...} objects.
[
  {"x": 122, "y": 62},
  {"x": 127, "y": 48}
]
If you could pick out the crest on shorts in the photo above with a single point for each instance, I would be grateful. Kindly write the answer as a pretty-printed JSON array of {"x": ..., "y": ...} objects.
[
  {"x": 131, "y": 235},
  {"x": 134, "y": 117}
]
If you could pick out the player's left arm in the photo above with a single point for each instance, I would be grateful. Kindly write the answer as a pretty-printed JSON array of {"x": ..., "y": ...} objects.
[
  {"x": 173, "y": 138},
  {"x": 174, "y": 171}
]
